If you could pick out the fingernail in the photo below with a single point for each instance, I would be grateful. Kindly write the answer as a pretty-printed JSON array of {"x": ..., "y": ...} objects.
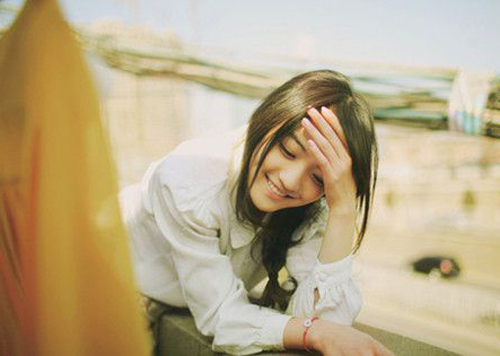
[
  {"x": 324, "y": 109},
  {"x": 306, "y": 122}
]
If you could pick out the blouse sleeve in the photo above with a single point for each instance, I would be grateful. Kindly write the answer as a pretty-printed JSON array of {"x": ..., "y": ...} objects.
[
  {"x": 340, "y": 299},
  {"x": 215, "y": 296}
]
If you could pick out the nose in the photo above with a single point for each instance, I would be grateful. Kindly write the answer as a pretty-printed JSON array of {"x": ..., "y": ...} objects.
[{"x": 292, "y": 178}]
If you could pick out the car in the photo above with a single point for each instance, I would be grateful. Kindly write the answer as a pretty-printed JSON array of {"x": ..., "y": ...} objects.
[{"x": 443, "y": 266}]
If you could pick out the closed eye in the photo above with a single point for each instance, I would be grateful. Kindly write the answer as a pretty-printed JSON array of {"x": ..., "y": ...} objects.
[
  {"x": 318, "y": 180},
  {"x": 286, "y": 152}
]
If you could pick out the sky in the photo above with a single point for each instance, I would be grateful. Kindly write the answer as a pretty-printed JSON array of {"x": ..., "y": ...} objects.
[{"x": 446, "y": 33}]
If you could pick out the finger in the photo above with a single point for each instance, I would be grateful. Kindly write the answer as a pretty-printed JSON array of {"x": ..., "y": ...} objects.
[
  {"x": 322, "y": 143},
  {"x": 323, "y": 162},
  {"x": 334, "y": 121},
  {"x": 327, "y": 129}
]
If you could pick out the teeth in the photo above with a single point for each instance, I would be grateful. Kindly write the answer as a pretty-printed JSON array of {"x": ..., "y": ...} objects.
[{"x": 275, "y": 189}]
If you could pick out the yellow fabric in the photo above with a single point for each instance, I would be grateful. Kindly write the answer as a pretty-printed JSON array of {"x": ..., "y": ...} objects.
[{"x": 63, "y": 251}]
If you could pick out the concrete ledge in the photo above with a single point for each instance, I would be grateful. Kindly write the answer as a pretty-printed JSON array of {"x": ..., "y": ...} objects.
[{"x": 179, "y": 337}]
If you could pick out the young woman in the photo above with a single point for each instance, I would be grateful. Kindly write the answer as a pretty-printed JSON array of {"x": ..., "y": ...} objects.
[{"x": 291, "y": 189}]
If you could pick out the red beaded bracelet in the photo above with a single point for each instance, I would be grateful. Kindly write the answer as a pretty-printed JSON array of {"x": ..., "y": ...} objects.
[{"x": 307, "y": 324}]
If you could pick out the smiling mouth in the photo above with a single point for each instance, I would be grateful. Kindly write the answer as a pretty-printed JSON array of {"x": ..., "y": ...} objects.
[{"x": 275, "y": 189}]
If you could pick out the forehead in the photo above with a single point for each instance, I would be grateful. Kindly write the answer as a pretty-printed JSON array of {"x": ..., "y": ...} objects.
[{"x": 298, "y": 136}]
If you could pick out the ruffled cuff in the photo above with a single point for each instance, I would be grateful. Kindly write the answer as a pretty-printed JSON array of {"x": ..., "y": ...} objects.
[
  {"x": 329, "y": 278},
  {"x": 339, "y": 298},
  {"x": 335, "y": 272},
  {"x": 262, "y": 330},
  {"x": 271, "y": 334}
]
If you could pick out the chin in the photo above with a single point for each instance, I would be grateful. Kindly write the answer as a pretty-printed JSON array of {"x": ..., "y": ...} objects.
[
  {"x": 266, "y": 207},
  {"x": 262, "y": 202}
]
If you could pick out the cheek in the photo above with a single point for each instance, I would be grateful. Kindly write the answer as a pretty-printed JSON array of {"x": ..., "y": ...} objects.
[
  {"x": 271, "y": 164},
  {"x": 313, "y": 192}
]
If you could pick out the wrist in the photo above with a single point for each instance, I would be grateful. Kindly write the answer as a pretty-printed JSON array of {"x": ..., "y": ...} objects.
[
  {"x": 314, "y": 338},
  {"x": 308, "y": 323}
]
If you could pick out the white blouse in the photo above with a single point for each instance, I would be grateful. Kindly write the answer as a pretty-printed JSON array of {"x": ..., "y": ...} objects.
[{"x": 189, "y": 250}]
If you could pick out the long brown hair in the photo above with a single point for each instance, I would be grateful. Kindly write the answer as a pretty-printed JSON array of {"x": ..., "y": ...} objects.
[{"x": 283, "y": 109}]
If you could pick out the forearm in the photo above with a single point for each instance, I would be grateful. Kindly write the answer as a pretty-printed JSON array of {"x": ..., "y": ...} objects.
[
  {"x": 293, "y": 334},
  {"x": 331, "y": 339},
  {"x": 319, "y": 331},
  {"x": 338, "y": 239}
]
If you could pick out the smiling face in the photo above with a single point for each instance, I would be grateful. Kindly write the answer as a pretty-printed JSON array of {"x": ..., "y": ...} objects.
[{"x": 289, "y": 176}]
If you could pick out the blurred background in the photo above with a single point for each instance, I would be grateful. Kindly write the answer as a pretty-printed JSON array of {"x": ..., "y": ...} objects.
[{"x": 170, "y": 70}]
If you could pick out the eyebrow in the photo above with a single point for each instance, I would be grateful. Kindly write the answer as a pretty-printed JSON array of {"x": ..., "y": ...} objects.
[{"x": 292, "y": 135}]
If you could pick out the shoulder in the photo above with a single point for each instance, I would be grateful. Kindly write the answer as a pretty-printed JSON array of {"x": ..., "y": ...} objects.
[
  {"x": 199, "y": 162},
  {"x": 193, "y": 176}
]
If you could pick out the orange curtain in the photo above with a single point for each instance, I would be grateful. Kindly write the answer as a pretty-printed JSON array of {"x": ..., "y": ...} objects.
[{"x": 66, "y": 281}]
